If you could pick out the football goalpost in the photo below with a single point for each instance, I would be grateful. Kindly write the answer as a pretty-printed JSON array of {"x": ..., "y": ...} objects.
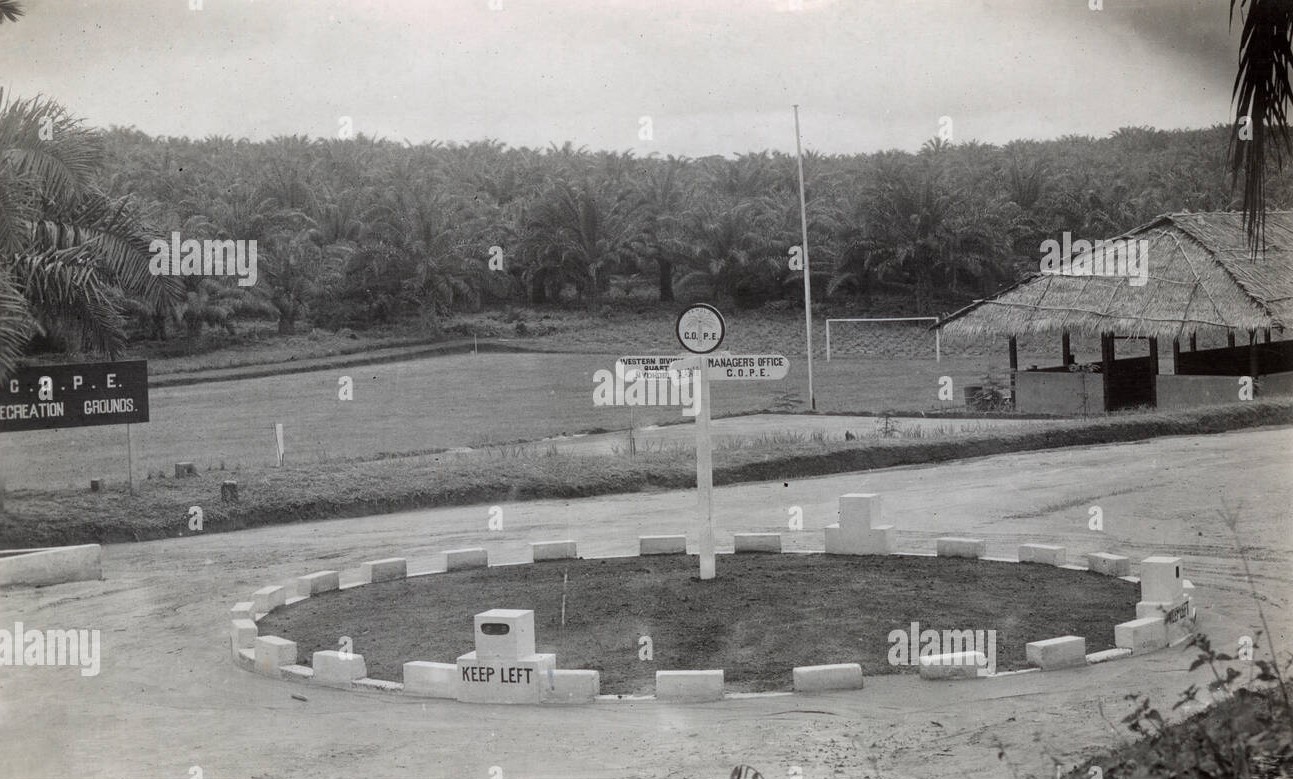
[{"x": 847, "y": 324}]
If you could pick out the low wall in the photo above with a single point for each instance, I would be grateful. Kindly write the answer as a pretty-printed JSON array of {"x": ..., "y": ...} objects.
[
  {"x": 1049, "y": 392},
  {"x": 51, "y": 565},
  {"x": 1275, "y": 384},
  {"x": 1178, "y": 392}
]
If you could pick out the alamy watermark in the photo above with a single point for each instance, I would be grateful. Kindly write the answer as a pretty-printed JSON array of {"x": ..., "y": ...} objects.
[
  {"x": 647, "y": 385},
  {"x": 907, "y": 647},
  {"x": 209, "y": 257},
  {"x": 1121, "y": 258},
  {"x": 50, "y": 647}
]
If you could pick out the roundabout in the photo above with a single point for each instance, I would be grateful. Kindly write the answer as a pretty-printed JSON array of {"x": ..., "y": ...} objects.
[
  {"x": 832, "y": 619},
  {"x": 628, "y": 617}
]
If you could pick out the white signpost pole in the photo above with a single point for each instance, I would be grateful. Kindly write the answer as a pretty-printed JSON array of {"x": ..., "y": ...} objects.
[{"x": 705, "y": 476}]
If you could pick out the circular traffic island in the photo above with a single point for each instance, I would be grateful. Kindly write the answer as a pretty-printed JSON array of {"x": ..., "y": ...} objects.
[{"x": 765, "y": 614}]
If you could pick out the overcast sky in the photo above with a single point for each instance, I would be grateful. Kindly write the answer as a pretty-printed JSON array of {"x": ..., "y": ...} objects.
[{"x": 713, "y": 76}]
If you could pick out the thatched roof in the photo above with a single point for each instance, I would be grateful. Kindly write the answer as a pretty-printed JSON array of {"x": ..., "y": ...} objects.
[{"x": 1201, "y": 278}]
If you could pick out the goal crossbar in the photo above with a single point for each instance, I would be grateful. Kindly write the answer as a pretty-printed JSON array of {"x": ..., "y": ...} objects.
[{"x": 938, "y": 332}]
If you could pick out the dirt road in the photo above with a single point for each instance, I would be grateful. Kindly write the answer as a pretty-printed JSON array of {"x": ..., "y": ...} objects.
[{"x": 168, "y": 700}]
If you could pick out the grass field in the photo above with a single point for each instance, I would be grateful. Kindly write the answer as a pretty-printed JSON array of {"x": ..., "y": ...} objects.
[
  {"x": 431, "y": 404},
  {"x": 357, "y": 488},
  {"x": 826, "y": 609}
]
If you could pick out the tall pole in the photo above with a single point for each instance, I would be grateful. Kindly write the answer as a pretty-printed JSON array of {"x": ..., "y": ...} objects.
[
  {"x": 808, "y": 292},
  {"x": 705, "y": 475},
  {"x": 130, "y": 460}
]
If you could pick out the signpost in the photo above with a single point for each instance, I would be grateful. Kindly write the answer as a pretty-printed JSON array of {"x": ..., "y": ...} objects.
[
  {"x": 46, "y": 397},
  {"x": 700, "y": 330}
]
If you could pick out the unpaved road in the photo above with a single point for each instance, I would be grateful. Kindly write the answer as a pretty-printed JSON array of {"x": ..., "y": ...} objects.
[{"x": 168, "y": 699}]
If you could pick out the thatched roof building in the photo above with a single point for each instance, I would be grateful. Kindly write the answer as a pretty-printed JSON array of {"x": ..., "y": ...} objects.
[
  {"x": 1201, "y": 278},
  {"x": 1181, "y": 277}
]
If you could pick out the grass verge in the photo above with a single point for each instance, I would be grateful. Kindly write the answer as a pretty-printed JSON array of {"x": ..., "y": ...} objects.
[{"x": 161, "y": 509}]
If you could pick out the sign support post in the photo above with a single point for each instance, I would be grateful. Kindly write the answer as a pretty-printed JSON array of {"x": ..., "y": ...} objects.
[
  {"x": 130, "y": 460},
  {"x": 700, "y": 330},
  {"x": 705, "y": 476}
]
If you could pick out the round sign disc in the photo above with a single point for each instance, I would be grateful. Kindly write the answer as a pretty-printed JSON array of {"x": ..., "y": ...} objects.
[{"x": 700, "y": 329}]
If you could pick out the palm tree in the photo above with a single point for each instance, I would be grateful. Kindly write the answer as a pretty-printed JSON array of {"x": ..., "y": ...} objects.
[
  {"x": 662, "y": 195},
  {"x": 10, "y": 10},
  {"x": 69, "y": 255},
  {"x": 1262, "y": 94},
  {"x": 577, "y": 236}
]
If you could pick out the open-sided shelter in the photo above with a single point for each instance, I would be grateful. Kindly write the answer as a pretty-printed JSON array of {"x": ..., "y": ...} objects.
[{"x": 1199, "y": 280}]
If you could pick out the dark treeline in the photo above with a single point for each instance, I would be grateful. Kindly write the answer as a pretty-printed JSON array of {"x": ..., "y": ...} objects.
[{"x": 363, "y": 232}]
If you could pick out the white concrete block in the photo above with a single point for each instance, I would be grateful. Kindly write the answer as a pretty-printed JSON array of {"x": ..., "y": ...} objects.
[
  {"x": 1160, "y": 579},
  {"x": 817, "y": 678},
  {"x": 860, "y": 541},
  {"x": 242, "y": 634},
  {"x": 385, "y": 570},
  {"x": 950, "y": 546},
  {"x": 315, "y": 583},
  {"x": 571, "y": 686},
  {"x": 338, "y": 669},
  {"x": 519, "y": 680},
  {"x": 1060, "y": 652},
  {"x": 1046, "y": 554},
  {"x": 431, "y": 680},
  {"x": 1141, "y": 635},
  {"x": 860, "y": 508},
  {"x": 953, "y": 665},
  {"x": 662, "y": 545},
  {"x": 268, "y": 598},
  {"x": 756, "y": 542},
  {"x": 272, "y": 653},
  {"x": 1178, "y": 616},
  {"x": 459, "y": 559},
  {"x": 1109, "y": 564},
  {"x": 504, "y": 634},
  {"x": 51, "y": 565},
  {"x": 553, "y": 550},
  {"x": 689, "y": 686},
  {"x": 243, "y": 610}
]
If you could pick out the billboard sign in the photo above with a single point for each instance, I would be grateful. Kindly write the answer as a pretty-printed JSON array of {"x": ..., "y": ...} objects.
[{"x": 43, "y": 397}]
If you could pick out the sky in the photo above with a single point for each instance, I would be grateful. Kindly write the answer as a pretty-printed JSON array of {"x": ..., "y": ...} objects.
[{"x": 680, "y": 77}]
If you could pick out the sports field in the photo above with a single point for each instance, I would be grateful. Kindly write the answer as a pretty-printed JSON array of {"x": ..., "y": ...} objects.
[{"x": 438, "y": 403}]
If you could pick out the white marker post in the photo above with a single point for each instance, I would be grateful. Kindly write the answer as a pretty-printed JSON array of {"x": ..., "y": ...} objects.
[{"x": 700, "y": 330}]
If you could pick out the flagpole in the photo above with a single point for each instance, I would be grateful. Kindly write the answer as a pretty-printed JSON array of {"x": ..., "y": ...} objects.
[{"x": 808, "y": 294}]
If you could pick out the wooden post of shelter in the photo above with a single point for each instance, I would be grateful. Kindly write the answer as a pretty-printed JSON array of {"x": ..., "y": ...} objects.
[
  {"x": 1153, "y": 363},
  {"x": 1253, "y": 364},
  {"x": 1066, "y": 348},
  {"x": 1106, "y": 367},
  {"x": 1176, "y": 355},
  {"x": 1014, "y": 366}
]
